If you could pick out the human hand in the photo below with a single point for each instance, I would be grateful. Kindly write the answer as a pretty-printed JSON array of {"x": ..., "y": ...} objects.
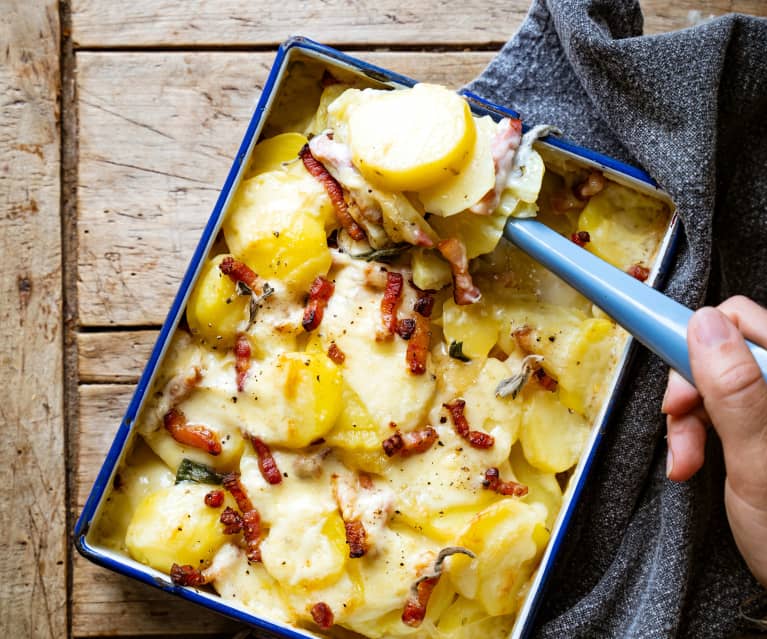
[{"x": 731, "y": 396}]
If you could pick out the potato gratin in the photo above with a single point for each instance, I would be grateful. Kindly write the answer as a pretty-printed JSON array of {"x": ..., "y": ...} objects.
[{"x": 369, "y": 418}]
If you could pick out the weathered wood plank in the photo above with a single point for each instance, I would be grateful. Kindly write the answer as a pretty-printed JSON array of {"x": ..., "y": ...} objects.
[
  {"x": 104, "y": 603},
  {"x": 33, "y": 546},
  {"x": 157, "y": 136},
  {"x": 101, "y": 23},
  {"x": 241, "y": 22},
  {"x": 113, "y": 357}
]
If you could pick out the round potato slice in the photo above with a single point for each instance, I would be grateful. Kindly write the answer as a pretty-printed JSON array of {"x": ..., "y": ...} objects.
[
  {"x": 411, "y": 139},
  {"x": 269, "y": 154}
]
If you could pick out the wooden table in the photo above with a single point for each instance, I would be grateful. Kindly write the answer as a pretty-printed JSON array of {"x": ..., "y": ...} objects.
[{"x": 118, "y": 124}]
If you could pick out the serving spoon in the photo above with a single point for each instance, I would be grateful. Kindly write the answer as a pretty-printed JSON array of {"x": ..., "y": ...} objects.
[{"x": 653, "y": 318}]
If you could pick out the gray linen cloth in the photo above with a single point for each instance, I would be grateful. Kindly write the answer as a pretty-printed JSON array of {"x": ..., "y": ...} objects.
[{"x": 646, "y": 557}]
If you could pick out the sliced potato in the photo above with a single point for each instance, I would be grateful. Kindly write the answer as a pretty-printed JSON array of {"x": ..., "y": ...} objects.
[
  {"x": 430, "y": 271},
  {"x": 527, "y": 184},
  {"x": 508, "y": 538},
  {"x": 276, "y": 225},
  {"x": 467, "y": 619},
  {"x": 552, "y": 435},
  {"x": 411, "y": 139},
  {"x": 292, "y": 400},
  {"x": 475, "y": 326},
  {"x": 269, "y": 155},
  {"x": 625, "y": 227},
  {"x": 174, "y": 525},
  {"x": 214, "y": 312},
  {"x": 480, "y": 233},
  {"x": 543, "y": 487},
  {"x": 476, "y": 178}
]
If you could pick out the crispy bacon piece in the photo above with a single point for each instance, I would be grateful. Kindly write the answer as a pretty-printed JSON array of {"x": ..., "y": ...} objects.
[
  {"x": 476, "y": 438},
  {"x": 639, "y": 272},
  {"x": 581, "y": 238},
  {"x": 412, "y": 443},
  {"x": 186, "y": 575},
  {"x": 242, "y": 354},
  {"x": 215, "y": 498},
  {"x": 334, "y": 191},
  {"x": 266, "y": 463},
  {"x": 405, "y": 327},
  {"x": 593, "y": 184},
  {"x": 239, "y": 272},
  {"x": 418, "y": 346},
  {"x": 545, "y": 380},
  {"x": 392, "y": 445},
  {"x": 336, "y": 355},
  {"x": 454, "y": 251},
  {"x": 493, "y": 482},
  {"x": 356, "y": 538},
  {"x": 424, "y": 305},
  {"x": 232, "y": 521},
  {"x": 389, "y": 303},
  {"x": 503, "y": 147},
  {"x": 319, "y": 294},
  {"x": 251, "y": 519},
  {"x": 194, "y": 435},
  {"x": 415, "y": 606},
  {"x": 322, "y": 615}
]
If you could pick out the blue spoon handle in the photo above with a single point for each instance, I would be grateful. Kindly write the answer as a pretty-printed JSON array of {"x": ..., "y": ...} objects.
[{"x": 654, "y": 319}]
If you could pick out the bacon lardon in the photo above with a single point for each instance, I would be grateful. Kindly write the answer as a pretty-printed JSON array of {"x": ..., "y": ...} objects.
[
  {"x": 581, "y": 238},
  {"x": 319, "y": 294},
  {"x": 194, "y": 435},
  {"x": 454, "y": 251},
  {"x": 389, "y": 303},
  {"x": 639, "y": 272},
  {"x": 187, "y": 575},
  {"x": 242, "y": 354},
  {"x": 232, "y": 521},
  {"x": 418, "y": 346},
  {"x": 476, "y": 438},
  {"x": 266, "y": 462},
  {"x": 493, "y": 482},
  {"x": 322, "y": 615},
  {"x": 335, "y": 193},
  {"x": 250, "y": 517},
  {"x": 214, "y": 499},
  {"x": 412, "y": 443},
  {"x": 239, "y": 272},
  {"x": 336, "y": 355},
  {"x": 503, "y": 147}
]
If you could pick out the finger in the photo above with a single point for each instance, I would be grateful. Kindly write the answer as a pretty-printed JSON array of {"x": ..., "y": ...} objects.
[
  {"x": 686, "y": 446},
  {"x": 681, "y": 397},
  {"x": 748, "y": 316},
  {"x": 734, "y": 395}
]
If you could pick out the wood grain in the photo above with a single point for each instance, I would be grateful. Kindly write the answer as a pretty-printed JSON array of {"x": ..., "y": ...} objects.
[
  {"x": 157, "y": 135},
  {"x": 113, "y": 357},
  {"x": 32, "y": 475},
  {"x": 105, "y": 603},
  {"x": 98, "y": 23},
  {"x": 103, "y": 23}
]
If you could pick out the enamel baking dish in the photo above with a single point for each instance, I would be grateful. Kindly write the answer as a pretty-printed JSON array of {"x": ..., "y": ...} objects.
[{"x": 301, "y": 50}]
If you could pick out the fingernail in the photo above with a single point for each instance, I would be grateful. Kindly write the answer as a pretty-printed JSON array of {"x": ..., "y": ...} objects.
[
  {"x": 663, "y": 403},
  {"x": 669, "y": 462},
  {"x": 710, "y": 327}
]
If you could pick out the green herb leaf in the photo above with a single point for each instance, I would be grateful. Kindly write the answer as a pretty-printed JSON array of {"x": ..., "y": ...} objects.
[
  {"x": 386, "y": 254},
  {"x": 514, "y": 384},
  {"x": 189, "y": 470},
  {"x": 456, "y": 351}
]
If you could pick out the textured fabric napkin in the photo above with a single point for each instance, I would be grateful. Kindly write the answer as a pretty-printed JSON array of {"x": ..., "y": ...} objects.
[{"x": 646, "y": 557}]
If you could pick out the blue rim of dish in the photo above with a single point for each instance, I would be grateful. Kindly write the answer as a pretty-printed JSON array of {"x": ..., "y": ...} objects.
[{"x": 380, "y": 74}]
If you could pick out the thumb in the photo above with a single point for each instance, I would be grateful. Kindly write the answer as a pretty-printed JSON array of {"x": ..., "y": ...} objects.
[{"x": 735, "y": 397}]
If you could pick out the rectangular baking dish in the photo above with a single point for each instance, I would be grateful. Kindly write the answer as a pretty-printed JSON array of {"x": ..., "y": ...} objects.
[{"x": 302, "y": 50}]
